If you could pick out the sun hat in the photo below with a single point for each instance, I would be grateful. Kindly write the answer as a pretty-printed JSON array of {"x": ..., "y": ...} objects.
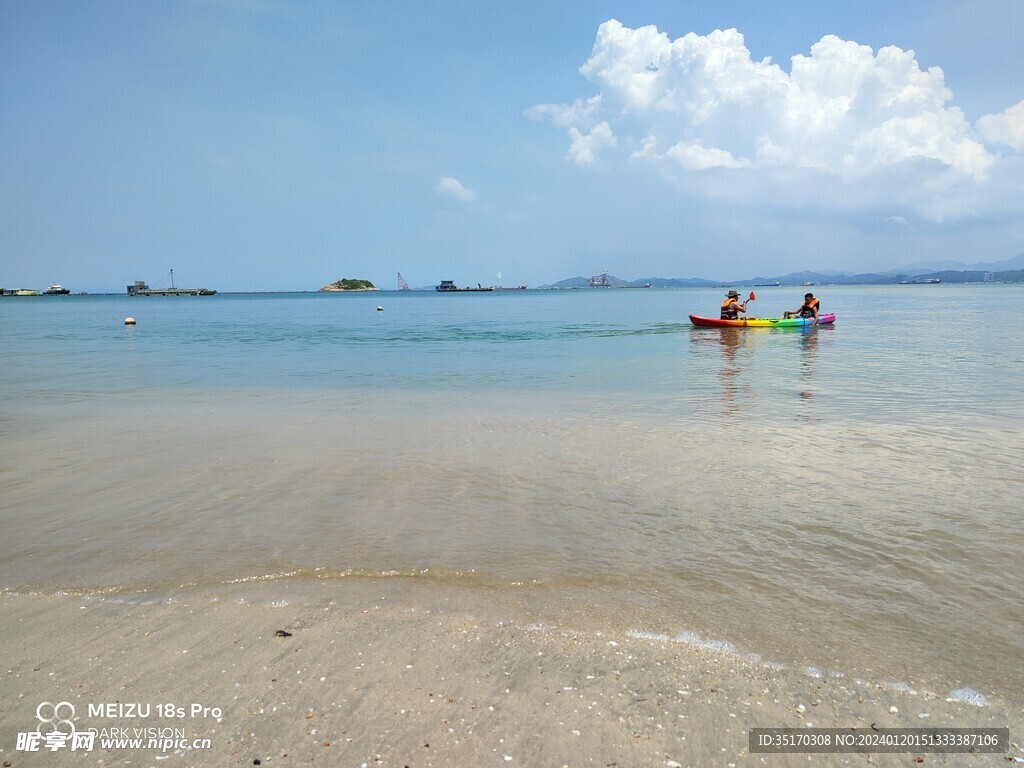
[{"x": 732, "y": 295}]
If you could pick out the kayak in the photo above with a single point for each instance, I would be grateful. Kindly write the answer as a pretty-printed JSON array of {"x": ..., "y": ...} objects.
[{"x": 761, "y": 322}]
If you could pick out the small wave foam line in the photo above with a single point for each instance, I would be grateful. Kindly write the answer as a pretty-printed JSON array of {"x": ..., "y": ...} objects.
[
  {"x": 470, "y": 575},
  {"x": 94, "y": 593},
  {"x": 965, "y": 695},
  {"x": 131, "y": 593},
  {"x": 899, "y": 686},
  {"x": 325, "y": 573},
  {"x": 968, "y": 696},
  {"x": 657, "y": 637},
  {"x": 692, "y": 639},
  {"x": 264, "y": 577}
]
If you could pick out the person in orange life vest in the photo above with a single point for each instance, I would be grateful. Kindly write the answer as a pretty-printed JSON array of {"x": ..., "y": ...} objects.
[
  {"x": 808, "y": 309},
  {"x": 731, "y": 308}
]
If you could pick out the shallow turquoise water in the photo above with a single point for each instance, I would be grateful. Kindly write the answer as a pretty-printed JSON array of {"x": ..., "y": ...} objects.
[
  {"x": 845, "y": 498},
  {"x": 902, "y": 353}
]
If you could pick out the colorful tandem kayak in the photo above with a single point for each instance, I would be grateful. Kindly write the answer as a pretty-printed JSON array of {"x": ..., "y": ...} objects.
[{"x": 761, "y": 322}]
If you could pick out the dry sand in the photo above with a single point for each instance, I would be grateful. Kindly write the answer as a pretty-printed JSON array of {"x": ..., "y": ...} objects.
[{"x": 395, "y": 686}]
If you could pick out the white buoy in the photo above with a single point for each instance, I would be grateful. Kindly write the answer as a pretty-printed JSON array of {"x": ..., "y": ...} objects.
[
  {"x": 380, "y": 309},
  {"x": 129, "y": 321}
]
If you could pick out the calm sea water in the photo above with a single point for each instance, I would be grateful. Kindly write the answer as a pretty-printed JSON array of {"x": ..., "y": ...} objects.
[{"x": 845, "y": 499}]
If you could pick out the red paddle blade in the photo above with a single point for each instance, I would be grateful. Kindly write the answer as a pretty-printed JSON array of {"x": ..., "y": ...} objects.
[{"x": 752, "y": 296}]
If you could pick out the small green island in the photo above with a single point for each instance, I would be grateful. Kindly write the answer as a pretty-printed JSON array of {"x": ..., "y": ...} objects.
[{"x": 350, "y": 285}]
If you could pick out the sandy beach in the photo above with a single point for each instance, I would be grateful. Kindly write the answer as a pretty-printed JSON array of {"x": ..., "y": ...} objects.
[{"x": 378, "y": 682}]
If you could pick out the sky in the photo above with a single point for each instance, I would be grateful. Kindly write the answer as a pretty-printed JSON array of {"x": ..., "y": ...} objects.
[{"x": 260, "y": 145}]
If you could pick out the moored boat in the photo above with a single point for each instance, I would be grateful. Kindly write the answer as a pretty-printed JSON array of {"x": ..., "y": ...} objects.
[{"x": 56, "y": 290}]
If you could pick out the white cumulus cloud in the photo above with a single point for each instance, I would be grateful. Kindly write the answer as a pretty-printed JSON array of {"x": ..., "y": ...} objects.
[
  {"x": 1005, "y": 128},
  {"x": 450, "y": 187},
  {"x": 701, "y": 102}
]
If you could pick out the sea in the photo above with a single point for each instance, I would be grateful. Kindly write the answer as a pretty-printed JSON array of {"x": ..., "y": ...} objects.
[{"x": 844, "y": 500}]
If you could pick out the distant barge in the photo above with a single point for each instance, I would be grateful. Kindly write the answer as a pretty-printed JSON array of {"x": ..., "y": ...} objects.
[{"x": 141, "y": 289}]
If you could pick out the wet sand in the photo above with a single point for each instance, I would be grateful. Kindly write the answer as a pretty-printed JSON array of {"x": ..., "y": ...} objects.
[{"x": 387, "y": 684}]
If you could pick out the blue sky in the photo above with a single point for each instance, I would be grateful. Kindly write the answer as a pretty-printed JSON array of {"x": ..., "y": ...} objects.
[{"x": 266, "y": 145}]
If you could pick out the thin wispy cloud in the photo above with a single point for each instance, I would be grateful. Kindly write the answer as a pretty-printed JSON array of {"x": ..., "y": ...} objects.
[
  {"x": 579, "y": 112},
  {"x": 453, "y": 188}
]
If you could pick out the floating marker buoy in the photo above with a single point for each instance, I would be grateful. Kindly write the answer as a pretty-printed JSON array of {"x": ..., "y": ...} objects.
[
  {"x": 129, "y": 321},
  {"x": 380, "y": 309}
]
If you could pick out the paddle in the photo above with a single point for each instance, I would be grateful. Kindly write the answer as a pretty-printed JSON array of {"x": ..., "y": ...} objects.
[{"x": 752, "y": 297}]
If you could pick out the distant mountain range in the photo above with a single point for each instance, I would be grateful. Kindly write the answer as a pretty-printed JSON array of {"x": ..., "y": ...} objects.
[{"x": 1008, "y": 271}]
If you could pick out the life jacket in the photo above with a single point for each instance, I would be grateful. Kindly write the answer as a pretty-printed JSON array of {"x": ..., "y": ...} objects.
[
  {"x": 727, "y": 313},
  {"x": 807, "y": 310}
]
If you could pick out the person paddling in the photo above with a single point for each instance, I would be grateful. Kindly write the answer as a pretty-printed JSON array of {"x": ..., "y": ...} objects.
[
  {"x": 731, "y": 308},
  {"x": 808, "y": 309}
]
